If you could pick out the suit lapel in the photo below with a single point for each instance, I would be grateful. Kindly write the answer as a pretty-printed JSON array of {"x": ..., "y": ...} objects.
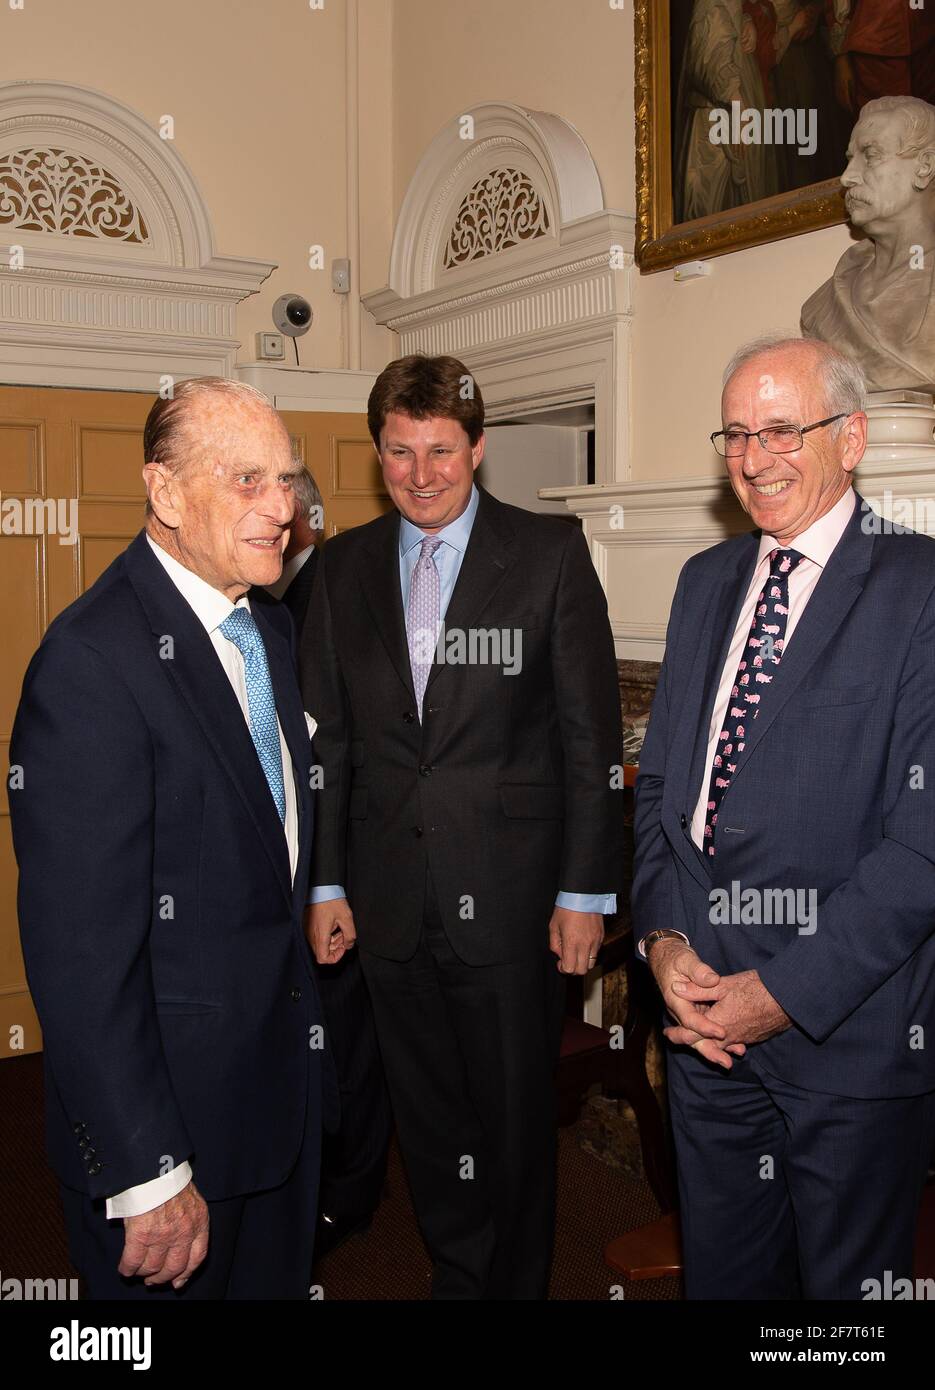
[
  {"x": 723, "y": 613},
  {"x": 291, "y": 714},
  {"x": 484, "y": 567},
  {"x": 379, "y": 579},
  {"x": 201, "y": 681},
  {"x": 838, "y": 588}
]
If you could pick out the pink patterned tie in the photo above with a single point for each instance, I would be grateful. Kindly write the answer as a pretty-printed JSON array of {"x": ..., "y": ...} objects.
[
  {"x": 423, "y": 617},
  {"x": 754, "y": 674}
]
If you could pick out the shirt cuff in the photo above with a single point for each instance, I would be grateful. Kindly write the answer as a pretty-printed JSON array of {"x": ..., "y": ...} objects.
[
  {"x": 146, "y": 1196},
  {"x": 605, "y": 903},
  {"x": 326, "y": 893}
]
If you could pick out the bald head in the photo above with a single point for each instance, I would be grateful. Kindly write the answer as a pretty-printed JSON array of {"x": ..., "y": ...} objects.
[{"x": 218, "y": 474}]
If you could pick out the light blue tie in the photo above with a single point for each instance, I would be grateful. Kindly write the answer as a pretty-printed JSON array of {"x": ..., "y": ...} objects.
[{"x": 241, "y": 629}]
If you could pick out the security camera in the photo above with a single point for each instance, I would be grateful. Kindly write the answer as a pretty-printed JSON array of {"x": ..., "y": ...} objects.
[{"x": 292, "y": 315}]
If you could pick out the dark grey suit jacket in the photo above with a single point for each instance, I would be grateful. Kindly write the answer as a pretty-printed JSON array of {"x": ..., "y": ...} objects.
[{"x": 505, "y": 790}]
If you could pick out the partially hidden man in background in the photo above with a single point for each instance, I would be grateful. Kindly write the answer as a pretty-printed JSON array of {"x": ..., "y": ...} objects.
[
  {"x": 163, "y": 833},
  {"x": 467, "y": 808},
  {"x": 784, "y": 882},
  {"x": 353, "y": 1159},
  {"x": 300, "y": 557}
]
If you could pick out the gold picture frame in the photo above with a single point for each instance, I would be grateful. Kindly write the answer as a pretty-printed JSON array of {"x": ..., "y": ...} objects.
[{"x": 661, "y": 243}]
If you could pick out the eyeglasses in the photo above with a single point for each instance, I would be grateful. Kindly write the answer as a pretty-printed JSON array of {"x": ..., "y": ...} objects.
[{"x": 776, "y": 439}]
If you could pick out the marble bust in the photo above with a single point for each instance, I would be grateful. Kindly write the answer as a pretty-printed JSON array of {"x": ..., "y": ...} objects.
[{"x": 878, "y": 306}]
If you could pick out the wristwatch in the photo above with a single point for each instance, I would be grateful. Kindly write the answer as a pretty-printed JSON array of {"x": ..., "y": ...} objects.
[{"x": 657, "y": 935}]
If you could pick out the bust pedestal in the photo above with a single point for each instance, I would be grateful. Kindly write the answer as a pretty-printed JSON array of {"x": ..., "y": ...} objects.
[
  {"x": 901, "y": 426},
  {"x": 897, "y": 473}
]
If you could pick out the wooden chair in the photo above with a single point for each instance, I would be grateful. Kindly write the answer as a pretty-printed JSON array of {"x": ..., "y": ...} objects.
[{"x": 588, "y": 1058}]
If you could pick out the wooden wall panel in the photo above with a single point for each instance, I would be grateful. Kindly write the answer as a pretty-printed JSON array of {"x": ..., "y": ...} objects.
[
  {"x": 86, "y": 447},
  {"x": 80, "y": 453},
  {"x": 338, "y": 451}
]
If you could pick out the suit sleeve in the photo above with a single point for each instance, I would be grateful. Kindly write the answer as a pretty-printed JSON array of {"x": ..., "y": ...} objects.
[
  {"x": 584, "y": 670},
  {"x": 652, "y": 896},
  {"x": 83, "y": 826},
  {"x": 871, "y": 925},
  {"x": 325, "y": 698}
]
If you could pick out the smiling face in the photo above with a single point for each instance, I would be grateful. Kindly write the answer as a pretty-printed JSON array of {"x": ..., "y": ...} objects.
[
  {"x": 428, "y": 466},
  {"x": 786, "y": 493},
  {"x": 878, "y": 181},
  {"x": 225, "y": 512}
]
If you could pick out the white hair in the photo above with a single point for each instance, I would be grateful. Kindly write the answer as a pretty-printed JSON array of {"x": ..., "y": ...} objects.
[
  {"x": 918, "y": 118},
  {"x": 307, "y": 495},
  {"x": 842, "y": 379},
  {"x": 164, "y": 437}
]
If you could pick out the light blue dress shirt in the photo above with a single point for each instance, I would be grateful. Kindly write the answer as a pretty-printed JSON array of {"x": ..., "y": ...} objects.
[{"x": 448, "y": 558}]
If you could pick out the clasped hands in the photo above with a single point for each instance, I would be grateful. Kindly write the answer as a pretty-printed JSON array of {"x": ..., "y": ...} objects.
[{"x": 717, "y": 1015}]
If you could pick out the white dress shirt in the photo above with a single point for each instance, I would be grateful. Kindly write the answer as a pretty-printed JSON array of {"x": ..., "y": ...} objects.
[{"x": 210, "y": 607}]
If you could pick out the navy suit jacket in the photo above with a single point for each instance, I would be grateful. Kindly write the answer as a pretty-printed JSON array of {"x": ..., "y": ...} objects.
[
  {"x": 826, "y": 797},
  {"x": 160, "y": 927}
]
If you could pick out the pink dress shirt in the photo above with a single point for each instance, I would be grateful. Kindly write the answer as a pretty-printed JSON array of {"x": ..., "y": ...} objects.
[{"x": 816, "y": 544}]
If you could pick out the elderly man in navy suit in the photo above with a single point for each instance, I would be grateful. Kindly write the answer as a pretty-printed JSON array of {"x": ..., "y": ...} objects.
[
  {"x": 784, "y": 884},
  {"x": 163, "y": 829}
]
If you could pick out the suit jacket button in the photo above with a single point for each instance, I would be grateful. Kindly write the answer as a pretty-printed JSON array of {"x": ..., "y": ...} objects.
[
  {"x": 78, "y": 1127},
  {"x": 417, "y": 831},
  {"x": 425, "y": 770},
  {"x": 409, "y": 716},
  {"x": 296, "y": 994},
  {"x": 89, "y": 1155},
  {"x": 95, "y": 1169},
  {"x": 83, "y": 1141},
  {"x": 683, "y": 821}
]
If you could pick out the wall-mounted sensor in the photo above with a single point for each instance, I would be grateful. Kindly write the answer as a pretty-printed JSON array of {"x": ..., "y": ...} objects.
[
  {"x": 692, "y": 270},
  {"x": 270, "y": 347},
  {"x": 292, "y": 315}
]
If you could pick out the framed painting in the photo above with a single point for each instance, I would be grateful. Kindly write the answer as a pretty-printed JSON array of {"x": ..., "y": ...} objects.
[{"x": 744, "y": 111}]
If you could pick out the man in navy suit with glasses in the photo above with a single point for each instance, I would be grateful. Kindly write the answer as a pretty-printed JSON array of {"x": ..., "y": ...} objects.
[{"x": 784, "y": 881}]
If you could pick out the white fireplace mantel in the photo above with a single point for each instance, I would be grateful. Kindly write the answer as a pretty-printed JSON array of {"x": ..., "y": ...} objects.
[{"x": 641, "y": 533}]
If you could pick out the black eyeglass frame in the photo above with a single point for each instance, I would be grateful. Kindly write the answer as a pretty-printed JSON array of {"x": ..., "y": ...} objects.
[{"x": 801, "y": 430}]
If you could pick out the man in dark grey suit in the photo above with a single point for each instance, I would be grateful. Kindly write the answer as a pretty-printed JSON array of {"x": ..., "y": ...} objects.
[{"x": 463, "y": 677}]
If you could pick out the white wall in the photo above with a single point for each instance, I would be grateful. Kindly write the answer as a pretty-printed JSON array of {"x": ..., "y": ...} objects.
[
  {"x": 520, "y": 459},
  {"x": 257, "y": 92},
  {"x": 577, "y": 61}
]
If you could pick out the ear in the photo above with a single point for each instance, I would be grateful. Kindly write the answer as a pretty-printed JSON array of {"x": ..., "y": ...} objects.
[
  {"x": 925, "y": 170},
  {"x": 854, "y": 435},
  {"x": 165, "y": 495},
  {"x": 477, "y": 452}
]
